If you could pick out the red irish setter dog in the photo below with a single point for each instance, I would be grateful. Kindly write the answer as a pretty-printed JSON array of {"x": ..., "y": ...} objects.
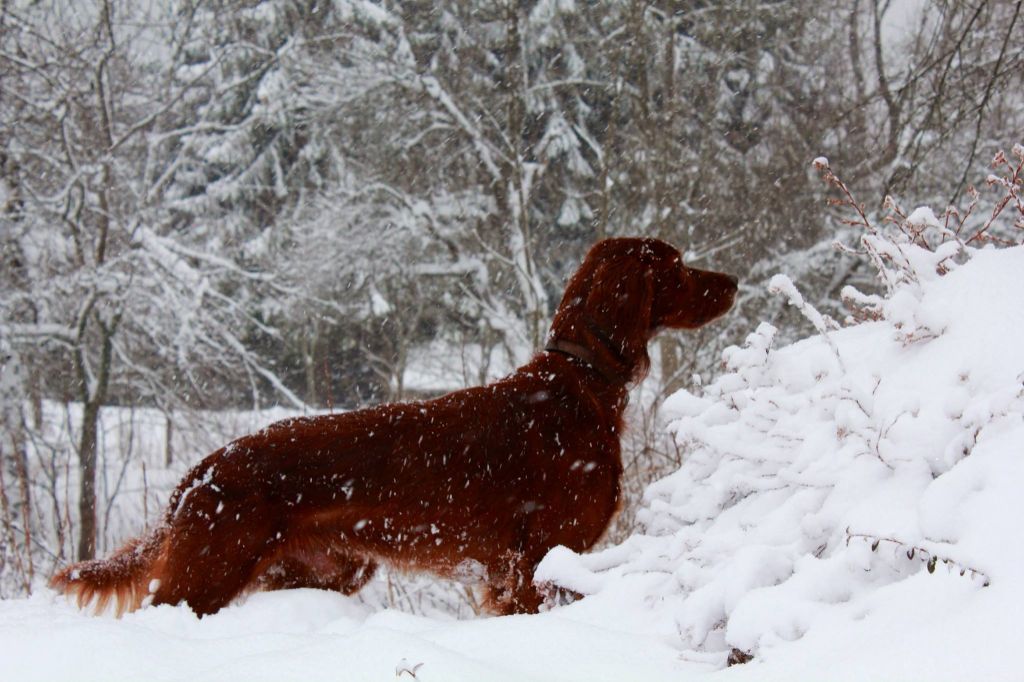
[{"x": 478, "y": 484}]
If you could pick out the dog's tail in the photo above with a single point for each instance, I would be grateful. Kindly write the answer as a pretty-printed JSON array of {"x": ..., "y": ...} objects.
[{"x": 123, "y": 581}]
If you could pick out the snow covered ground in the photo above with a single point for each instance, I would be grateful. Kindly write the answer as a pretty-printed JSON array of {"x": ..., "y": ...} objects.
[
  {"x": 849, "y": 508},
  {"x": 309, "y": 635}
]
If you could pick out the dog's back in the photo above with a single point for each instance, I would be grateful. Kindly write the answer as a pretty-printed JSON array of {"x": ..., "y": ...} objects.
[{"x": 496, "y": 474}]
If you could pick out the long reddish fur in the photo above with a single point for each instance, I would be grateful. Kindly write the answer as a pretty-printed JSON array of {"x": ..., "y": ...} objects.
[{"x": 478, "y": 483}]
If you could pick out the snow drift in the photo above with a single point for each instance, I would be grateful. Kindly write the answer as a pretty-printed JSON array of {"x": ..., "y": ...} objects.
[{"x": 850, "y": 506}]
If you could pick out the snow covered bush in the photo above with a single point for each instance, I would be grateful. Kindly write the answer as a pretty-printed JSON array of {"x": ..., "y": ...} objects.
[{"x": 846, "y": 489}]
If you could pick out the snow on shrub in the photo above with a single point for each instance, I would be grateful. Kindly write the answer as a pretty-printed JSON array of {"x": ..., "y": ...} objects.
[{"x": 857, "y": 462}]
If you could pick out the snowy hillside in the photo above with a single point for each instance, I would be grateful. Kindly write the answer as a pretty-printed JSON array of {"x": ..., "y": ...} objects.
[{"x": 849, "y": 508}]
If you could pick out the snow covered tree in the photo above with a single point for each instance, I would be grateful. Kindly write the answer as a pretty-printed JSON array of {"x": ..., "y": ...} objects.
[{"x": 106, "y": 281}]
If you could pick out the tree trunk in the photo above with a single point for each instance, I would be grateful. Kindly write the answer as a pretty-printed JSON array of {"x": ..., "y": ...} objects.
[
  {"x": 670, "y": 364},
  {"x": 87, "y": 444},
  {"x": 168, "y": 446},
  {"x": 24, "y": 486},
  {"x": 87, "y": 483},
  {"x": 35, "y": 396},
  {"x": 309, "y": 347}
]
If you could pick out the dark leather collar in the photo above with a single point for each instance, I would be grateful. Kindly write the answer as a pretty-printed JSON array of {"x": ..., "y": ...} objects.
[{"x": 586, "y": 356}]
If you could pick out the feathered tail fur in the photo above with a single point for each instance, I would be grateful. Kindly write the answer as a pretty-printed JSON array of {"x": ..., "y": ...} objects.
[{"x": 123, "y": 581}]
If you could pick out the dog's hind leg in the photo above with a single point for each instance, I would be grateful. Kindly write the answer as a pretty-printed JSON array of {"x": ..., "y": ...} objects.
[{"x": 219, "y": 540}]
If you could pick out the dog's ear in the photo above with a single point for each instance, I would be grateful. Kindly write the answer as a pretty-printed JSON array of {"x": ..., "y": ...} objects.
[
  {"x": 619, "y": 300},
  {"x": 607, "y": 308}
]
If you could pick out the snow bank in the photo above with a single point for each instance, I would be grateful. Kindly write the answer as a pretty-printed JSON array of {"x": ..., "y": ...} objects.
[{"x": 850, "y": 506}]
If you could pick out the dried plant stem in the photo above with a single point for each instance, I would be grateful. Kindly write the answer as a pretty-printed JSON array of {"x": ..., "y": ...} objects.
[{"x": 930, "y": 559}]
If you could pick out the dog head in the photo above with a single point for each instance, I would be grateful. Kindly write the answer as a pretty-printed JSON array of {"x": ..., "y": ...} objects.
[
  {"x": 628, "y": 289},
  {"x": 685, "y": 297}
]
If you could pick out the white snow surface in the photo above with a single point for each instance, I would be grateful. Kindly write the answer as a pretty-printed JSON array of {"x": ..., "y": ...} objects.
[
  {"x": 787, "y": 533},
  {"x": 312, "y": 635}
]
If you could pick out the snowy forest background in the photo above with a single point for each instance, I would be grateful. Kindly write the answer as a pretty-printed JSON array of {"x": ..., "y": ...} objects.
[{"x": 209, "y": 209}]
